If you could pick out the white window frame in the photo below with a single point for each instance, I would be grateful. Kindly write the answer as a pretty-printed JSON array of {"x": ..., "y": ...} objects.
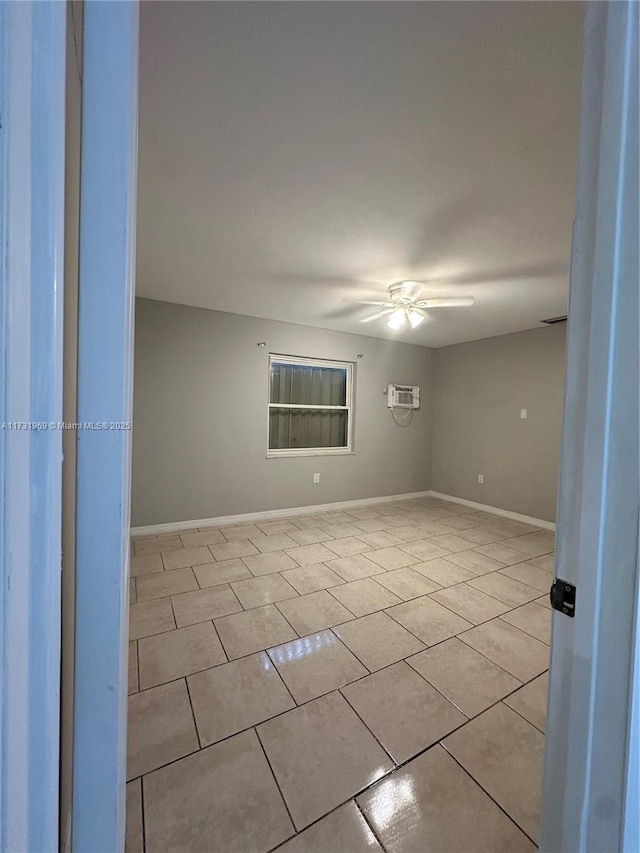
[{"x": 312, "y": 362}]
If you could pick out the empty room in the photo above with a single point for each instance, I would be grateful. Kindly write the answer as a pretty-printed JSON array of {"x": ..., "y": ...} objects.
[{"x": 354, "y": 232}]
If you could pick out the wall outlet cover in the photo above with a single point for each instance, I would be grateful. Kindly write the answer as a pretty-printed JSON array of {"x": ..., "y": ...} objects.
[
  {"x": 316, "y": 478},
  {"x": 523, "y": 413},
  {"x": 481, "y": 478}
]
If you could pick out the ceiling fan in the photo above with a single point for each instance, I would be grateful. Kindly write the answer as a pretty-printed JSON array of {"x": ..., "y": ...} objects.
[{"x": 404, "y": 306}]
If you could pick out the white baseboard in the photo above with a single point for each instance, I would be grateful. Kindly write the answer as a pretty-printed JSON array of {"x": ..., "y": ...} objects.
[
  {"x": 273, "y": 514},
  {"x": 494, "y": 510},
  {"x": 269, "y": 515}
]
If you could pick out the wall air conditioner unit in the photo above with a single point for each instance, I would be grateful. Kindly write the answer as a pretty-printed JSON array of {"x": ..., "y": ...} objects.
[{"x": 403, "y": 396}]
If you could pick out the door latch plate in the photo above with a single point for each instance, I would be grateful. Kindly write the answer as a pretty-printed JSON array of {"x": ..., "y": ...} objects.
[{"x": 563, "y": 597}]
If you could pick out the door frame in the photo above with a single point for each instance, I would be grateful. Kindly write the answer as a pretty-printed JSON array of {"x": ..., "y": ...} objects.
[
  {"x": 104, "y": 396},
  {"x": 32, "y": 134},
  {"x": 590, "y": 787}
]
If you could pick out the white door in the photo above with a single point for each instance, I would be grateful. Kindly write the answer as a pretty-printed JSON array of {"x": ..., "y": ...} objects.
[{"x": 591, "y": 797}]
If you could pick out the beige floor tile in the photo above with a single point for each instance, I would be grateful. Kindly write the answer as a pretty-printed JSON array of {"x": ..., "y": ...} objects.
[
  {"x": 504, "y": 755},
  {"x": 472, "y": 604},
  {"x": 133, "y": 837},
  {"x": 315, "y": 665},
  {"x": 274, "y": 542},
  {"x": 451, "y": 542},
  {"x": 342, "y": 831},
  {"x": 530, "y": 575},
  {"x": 307, "y": 555},
  {"x": 269, "y": 562},
  {"x": 381, "y": 539},
  {"x": 314, "y": 612},
  {"x": 133, "y": 594},
  {"x": 304, "y": 521},
  {"x": 164, "y": 584},
  {"x": 203, "y": 537},
  {"x": 543, "y": 601},
  {"x": 337, "y": 517},
  {"x": 348, "y": 547},
  {"x": 321, "y": 755},
  {"x": 480, "y": 536},
  {"x": 156, "y": 545},
  {"x": 312, "y": 578},
  {"x": 508, "y": 528},
  {"x": 253, "y": 631},
  {"x": 508, "y": 647},
  {"x": 377, "y": 640},
  {"x": 363, "y": 512},
  {"x": 534, "y": 544},
  {"x": 236, "y": 696},
  {"x": 408, "y": 533},
  {"x": 256, "y": 592},
  {"x": 546, "y": 562},
  {"x": 212, "y": 574},
  {"x": 392, "y": 558},
  {"x": 502, "y": 553},
  {"x": 429, "y": 621},
  {"x": 531, "y": 701},
  {"x": 464, "y": 676},
  {"x": 424, "y": 549},
  {"x": 222, "y": 799},
  {"x": 273, "y": 528},
  {"x": 160, "y": 728},
  {"x": 370, "y": 525},
  {"x": 175, "y": 654},
  {"x": 186, "y": 557},
  {"x": 310, "y": 536},
  {"x": 239, "y": 532},
  {"x": 443, "y": 572},
  {"x": 150, "y": 617},
  {"x": 434, "y": 528},
  {"x": 477, "y": 564},
  {"x": 505, "y": 589},
  {"x": 204, "y": 604},
  {"x": 132, "y": 677},
  {"x": 394, "y": 519},
  {"x": 147, "y": 564},
  {"x": 364, "y": 596},
  {"x": 231, "y": 550},
  {"x": 432, "y": 806},
  {"x": 341, "y": 531},
  {"x": 407, "y": 584},
  {"x": 354, "y": 568},
  {"x": 532, "y": 619},
  {"x": 406, "y": 714},
  {"x": 463, "y": 522}
]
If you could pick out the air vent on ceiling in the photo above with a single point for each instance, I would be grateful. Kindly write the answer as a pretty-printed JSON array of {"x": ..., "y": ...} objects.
[{"x": 553, "y": 320}]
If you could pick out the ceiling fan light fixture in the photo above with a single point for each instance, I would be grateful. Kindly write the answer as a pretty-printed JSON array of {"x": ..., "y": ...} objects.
[
  {"x": 397, "y": 319},
  {"x": 415, "y": 318}
]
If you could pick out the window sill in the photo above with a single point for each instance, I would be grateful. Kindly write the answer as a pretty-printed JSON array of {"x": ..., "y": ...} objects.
[{"x": 331, "y": 451}]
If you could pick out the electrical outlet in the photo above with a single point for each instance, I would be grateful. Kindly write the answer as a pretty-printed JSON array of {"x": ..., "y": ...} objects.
[
  {"x": 316, "y": 478},
  {"x": 481, "y": 478},
  {"x": 523, "y": 413}
]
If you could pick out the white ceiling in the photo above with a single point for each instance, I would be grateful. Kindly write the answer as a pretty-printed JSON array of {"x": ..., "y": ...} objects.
[{"x": 296, "y": 158}]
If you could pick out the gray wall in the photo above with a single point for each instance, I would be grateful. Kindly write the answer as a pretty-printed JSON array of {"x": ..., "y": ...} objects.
[
  {"x": 480, "y": 389},
  {"x": 200, "y": 417}
]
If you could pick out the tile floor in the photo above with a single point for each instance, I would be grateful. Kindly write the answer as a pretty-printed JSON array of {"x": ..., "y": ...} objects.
[{"x": 372, "y": 680}]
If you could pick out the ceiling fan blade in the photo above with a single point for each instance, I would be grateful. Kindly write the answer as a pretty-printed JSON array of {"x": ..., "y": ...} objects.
[
  {"x": 377, "y": 315},
  {"x": 367, "y": 302},
  {"x": 445, "y": 302}
]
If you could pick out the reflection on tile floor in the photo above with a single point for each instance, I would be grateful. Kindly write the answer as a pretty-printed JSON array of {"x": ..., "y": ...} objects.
[{"x": 350, "y": 682}]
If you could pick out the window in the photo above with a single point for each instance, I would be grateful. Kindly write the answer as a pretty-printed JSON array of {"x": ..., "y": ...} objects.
[{"x": 310, "y": 406}]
